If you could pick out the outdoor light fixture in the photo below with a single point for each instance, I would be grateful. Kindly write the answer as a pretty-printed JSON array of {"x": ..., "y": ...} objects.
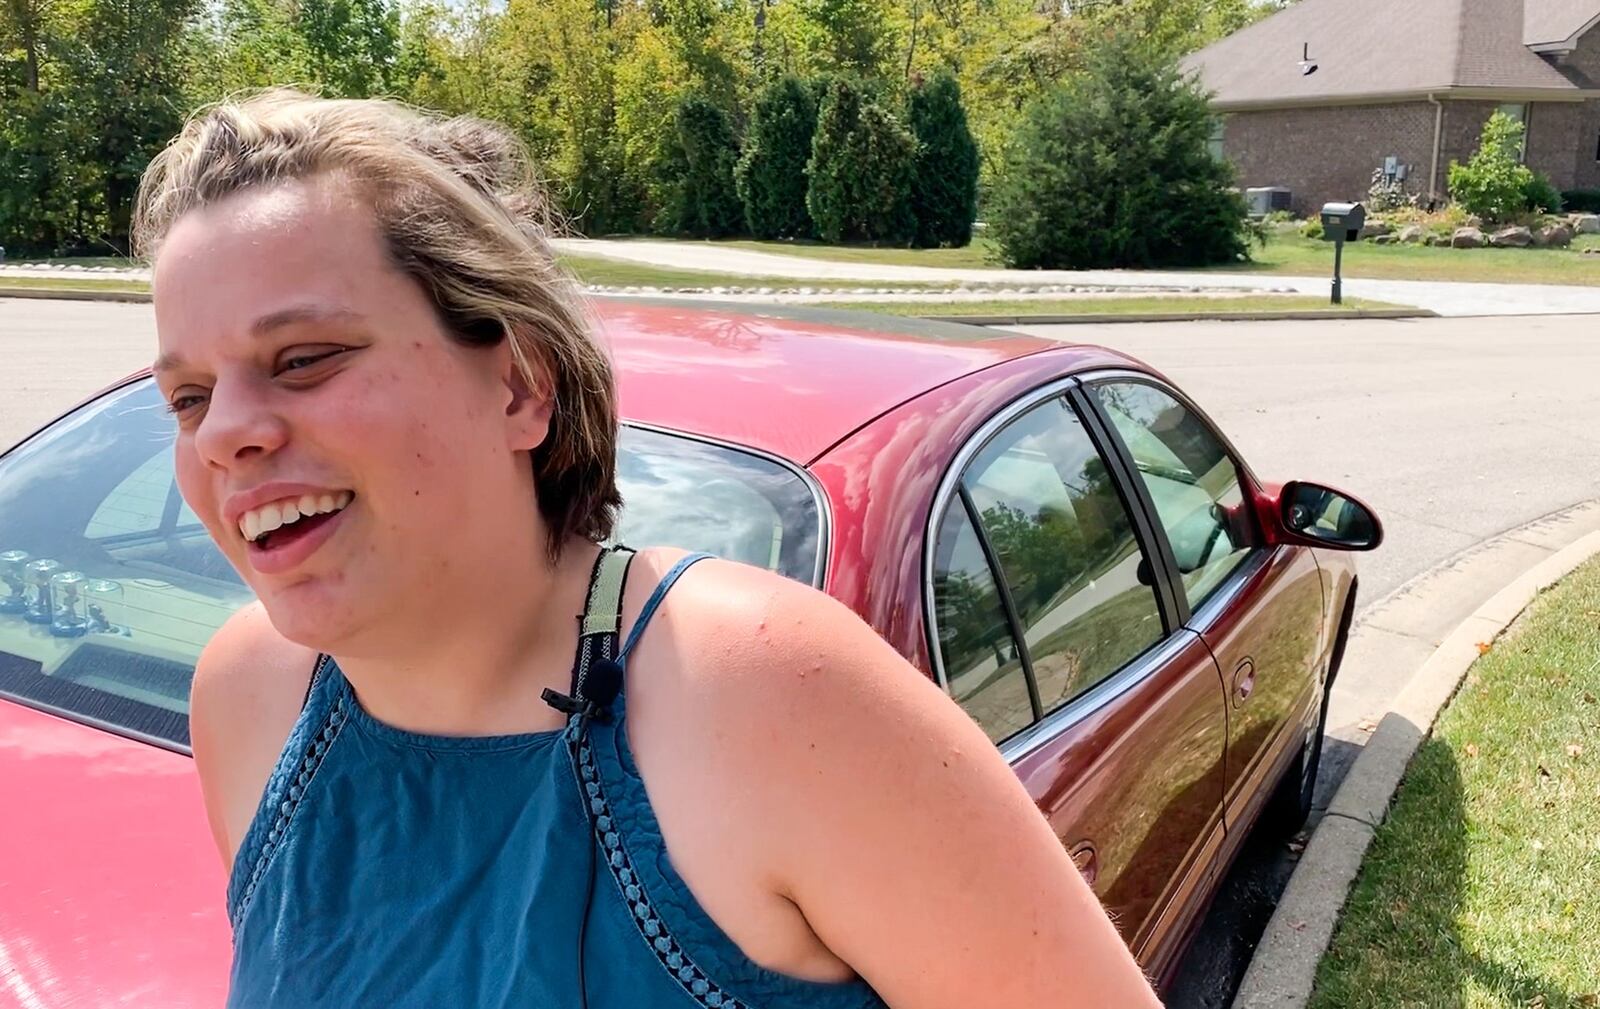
[{"x": 1307, "y": 67}]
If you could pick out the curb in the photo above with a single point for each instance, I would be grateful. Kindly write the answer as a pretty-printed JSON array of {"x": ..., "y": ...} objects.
[
  {"x": 1283, "y": 970},
  {"x": 1267, "y": 316},
  {"x": 143, "y": 297},
  {"x": 73, "y": 294}
]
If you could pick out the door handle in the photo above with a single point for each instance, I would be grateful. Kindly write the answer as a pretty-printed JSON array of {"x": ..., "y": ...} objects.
[
  {"x": 1244, "y": 682},
  {"x": 1087, "y": 860}
]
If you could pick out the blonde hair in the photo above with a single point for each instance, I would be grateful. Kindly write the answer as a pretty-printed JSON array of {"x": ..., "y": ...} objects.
[{"x": 462, "y": 212}]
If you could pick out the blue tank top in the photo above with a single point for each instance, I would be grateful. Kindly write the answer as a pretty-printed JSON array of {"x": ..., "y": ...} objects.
[{"x": 390, "y": 868}]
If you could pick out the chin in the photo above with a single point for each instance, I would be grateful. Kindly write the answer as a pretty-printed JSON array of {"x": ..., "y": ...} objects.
[{"x": 313, "y": 618}]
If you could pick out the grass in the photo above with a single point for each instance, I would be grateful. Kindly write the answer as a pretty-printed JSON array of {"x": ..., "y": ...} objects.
[
  {"x": 1482, "y": 889},
  {"x": 616, "y": 273},
  {"x": 72, "y": 283},
  {"x": 1286, "y": 253},
  {"x": 1187, "y": 304}
]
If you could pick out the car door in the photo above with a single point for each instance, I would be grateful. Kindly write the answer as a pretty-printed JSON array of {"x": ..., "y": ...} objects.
[
  {"x": 1051, "y": 629},
  {"x": 1259, "y": 609}
]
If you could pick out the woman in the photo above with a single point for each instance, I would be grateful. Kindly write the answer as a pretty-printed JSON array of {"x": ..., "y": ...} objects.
[{"x": 422, "y": 763}]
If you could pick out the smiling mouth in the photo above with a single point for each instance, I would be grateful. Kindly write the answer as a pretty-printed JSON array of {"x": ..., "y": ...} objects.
[{"x": 281, "y": 523}]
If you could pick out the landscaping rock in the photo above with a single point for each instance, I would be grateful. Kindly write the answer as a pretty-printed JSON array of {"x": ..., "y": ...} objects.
[
  {"x": 1385, "y": 239},
  {"x": 1375, "y": 229},
  {"x": 1413, "y": 234},
  {"x": 1586, "y": 224},
  {"x": 1553, "y": 236},
  {"x": 1467, "y": 238},
  {"x": 1515, "y": 237}
]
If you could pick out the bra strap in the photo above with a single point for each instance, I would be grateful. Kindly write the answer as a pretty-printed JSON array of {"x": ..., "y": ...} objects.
[{"x": 600, "y": 625}]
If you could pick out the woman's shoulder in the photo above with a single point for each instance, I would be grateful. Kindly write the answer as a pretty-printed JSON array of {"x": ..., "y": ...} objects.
[{"x": 246, "y": 695}]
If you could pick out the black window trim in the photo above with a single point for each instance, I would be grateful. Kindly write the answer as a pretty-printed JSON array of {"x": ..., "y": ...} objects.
[
  {"x": 1230, "y": 588},
  {"x": 1069, "y": 391},
  {"x": 1007, "y": 604}
]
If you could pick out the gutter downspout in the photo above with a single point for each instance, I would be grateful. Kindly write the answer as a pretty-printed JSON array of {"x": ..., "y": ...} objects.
[{"x": 1438, "y": 137}]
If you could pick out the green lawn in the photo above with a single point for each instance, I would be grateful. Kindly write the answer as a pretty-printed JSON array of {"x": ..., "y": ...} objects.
[
  {"x": 1109, "y": 307},
  {"x": 87, "y": 282},
  {"x": 616, "y": 273},
  {"x": 1285, "y": 252},
  {"x": 1482, "y": 889}
]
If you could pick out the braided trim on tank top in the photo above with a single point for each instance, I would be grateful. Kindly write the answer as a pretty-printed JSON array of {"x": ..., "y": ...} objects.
[
  {"x": 297, "y": 776},
  {"x": 672, "y": 957}
]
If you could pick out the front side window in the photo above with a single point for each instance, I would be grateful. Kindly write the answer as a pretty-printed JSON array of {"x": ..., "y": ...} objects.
[
  {"x": 110, "y": 586},
  {"x": 1192, "y": 481}
]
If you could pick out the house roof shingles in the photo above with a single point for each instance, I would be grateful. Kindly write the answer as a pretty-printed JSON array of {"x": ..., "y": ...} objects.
[
  {"x": 1553, "y": 22},
  {"x": 1376, "y": 48}
]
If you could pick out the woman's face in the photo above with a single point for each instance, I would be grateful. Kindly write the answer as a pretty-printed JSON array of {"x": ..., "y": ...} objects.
[{"x": 352, "y": 461}]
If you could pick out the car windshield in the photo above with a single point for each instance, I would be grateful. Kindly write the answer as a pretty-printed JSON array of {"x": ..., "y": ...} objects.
[{"x": 110, "y": 586}]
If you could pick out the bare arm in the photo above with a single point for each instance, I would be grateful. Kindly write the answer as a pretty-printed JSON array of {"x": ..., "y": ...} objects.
[
  {"x": 903, "y": 837},
  {"x": 246, "y": 694}
]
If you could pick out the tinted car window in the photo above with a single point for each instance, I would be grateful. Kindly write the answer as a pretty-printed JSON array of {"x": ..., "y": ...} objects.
[
  {"x": 110, "y": 586},
  {"x": 1067, "y": 548},
  {"x": 981, "y": 660},
  {"x": 1191, "y": 479}
]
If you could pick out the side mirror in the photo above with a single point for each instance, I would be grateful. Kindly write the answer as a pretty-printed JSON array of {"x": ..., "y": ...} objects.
[{"x": 1324, "y": 517}]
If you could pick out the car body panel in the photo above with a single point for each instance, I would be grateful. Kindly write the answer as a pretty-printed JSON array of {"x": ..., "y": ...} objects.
[{"x": 111, "y": 892}]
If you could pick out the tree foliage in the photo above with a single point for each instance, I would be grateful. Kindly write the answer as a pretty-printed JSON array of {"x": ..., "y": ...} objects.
[
  {"x": 1111, "y": 169},
  {"x": 1494, "y": 183},
  {"x": 771, "y": 173},
  {"x": 861, "y": 169},
  {"x": 707, "y": 204},
  {"x": 944, "y": 191}
]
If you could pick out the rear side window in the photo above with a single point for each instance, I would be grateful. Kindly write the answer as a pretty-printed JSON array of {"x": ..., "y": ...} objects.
[
  {"x": 1054, "y": 538},
  {"x": 110, "y": 586}
]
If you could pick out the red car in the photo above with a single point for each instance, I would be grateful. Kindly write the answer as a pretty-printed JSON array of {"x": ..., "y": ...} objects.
[{"x": 1054, "y": 533}]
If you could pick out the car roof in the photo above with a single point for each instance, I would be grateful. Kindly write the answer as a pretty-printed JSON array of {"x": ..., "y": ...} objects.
[{"x": 788, "y": 380}]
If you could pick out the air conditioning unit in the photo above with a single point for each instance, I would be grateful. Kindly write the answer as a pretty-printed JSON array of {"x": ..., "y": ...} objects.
[{"x": 1263, "y": 200}]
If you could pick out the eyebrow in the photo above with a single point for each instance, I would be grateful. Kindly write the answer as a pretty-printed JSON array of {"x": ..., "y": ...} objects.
[{"x": 295, "y": 315}]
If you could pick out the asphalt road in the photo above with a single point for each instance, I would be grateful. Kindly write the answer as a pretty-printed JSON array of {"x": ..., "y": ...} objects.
[{"x": 1455, "y": 430}]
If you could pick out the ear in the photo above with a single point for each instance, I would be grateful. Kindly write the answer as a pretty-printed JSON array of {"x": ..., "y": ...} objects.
[{"x": 529, "y": 404}]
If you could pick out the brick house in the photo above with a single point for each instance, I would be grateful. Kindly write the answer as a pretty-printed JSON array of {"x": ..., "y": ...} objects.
[{"x": 1318, "y": 95}]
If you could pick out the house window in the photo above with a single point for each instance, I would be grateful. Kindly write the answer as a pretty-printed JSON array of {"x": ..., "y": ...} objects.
[
  {"x": 1519, "y": 112},
  {"x": 1214, "y": 142}
]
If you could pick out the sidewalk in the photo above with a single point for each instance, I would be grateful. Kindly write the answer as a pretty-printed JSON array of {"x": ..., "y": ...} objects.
[{"x": 1442, "y": 297}]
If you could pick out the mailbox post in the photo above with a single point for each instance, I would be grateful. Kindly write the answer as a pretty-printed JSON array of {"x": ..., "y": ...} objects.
[{"x": 1341, "y": 222}]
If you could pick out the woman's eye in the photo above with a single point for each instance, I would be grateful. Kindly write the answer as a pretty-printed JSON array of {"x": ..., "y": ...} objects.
[
  {"x": 183, "y": 404},
  {"x": 302, "y": 361}
]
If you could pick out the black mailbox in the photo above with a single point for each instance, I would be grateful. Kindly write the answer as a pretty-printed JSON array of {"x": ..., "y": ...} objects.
[{"x": 1342, "y": 222}]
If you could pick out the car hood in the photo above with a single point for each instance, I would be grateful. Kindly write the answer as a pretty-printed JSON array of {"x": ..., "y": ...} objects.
[{"x": 111, "y": 892}]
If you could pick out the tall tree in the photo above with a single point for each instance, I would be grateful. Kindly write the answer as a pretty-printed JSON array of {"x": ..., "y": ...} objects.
[
  {"x": 352, "y": 45},
  {"x": 944, "y": 193},
  {"x": 860, "y": 170},
  {"x": 771, "y": 174}
]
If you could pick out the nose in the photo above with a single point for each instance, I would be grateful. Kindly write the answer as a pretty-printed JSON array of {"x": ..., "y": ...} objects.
[{"x": 239, "y": 424}]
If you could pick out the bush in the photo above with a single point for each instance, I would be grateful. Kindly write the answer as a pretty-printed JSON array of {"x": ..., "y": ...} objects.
[
  {"x": 1387, "y": 194},
  {"x": 944, "y": 191},
  {"x": 771, "y": 174},
  {"x": 1111, "y": 169},
  {"x": 1581, "y": 201},
  {"x": 1494, "y": 183},
  {"x": 1540, "y": 196},
  {"x": 861, "y": 170},
  {"x": 707, "y": 204},
  {"x": 1312, "y": 228}
]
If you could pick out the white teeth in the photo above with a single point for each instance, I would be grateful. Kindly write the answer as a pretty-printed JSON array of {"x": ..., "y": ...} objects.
[
  {"x": 256, "y": 523},
  {"x": 271, "y": 518}
]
